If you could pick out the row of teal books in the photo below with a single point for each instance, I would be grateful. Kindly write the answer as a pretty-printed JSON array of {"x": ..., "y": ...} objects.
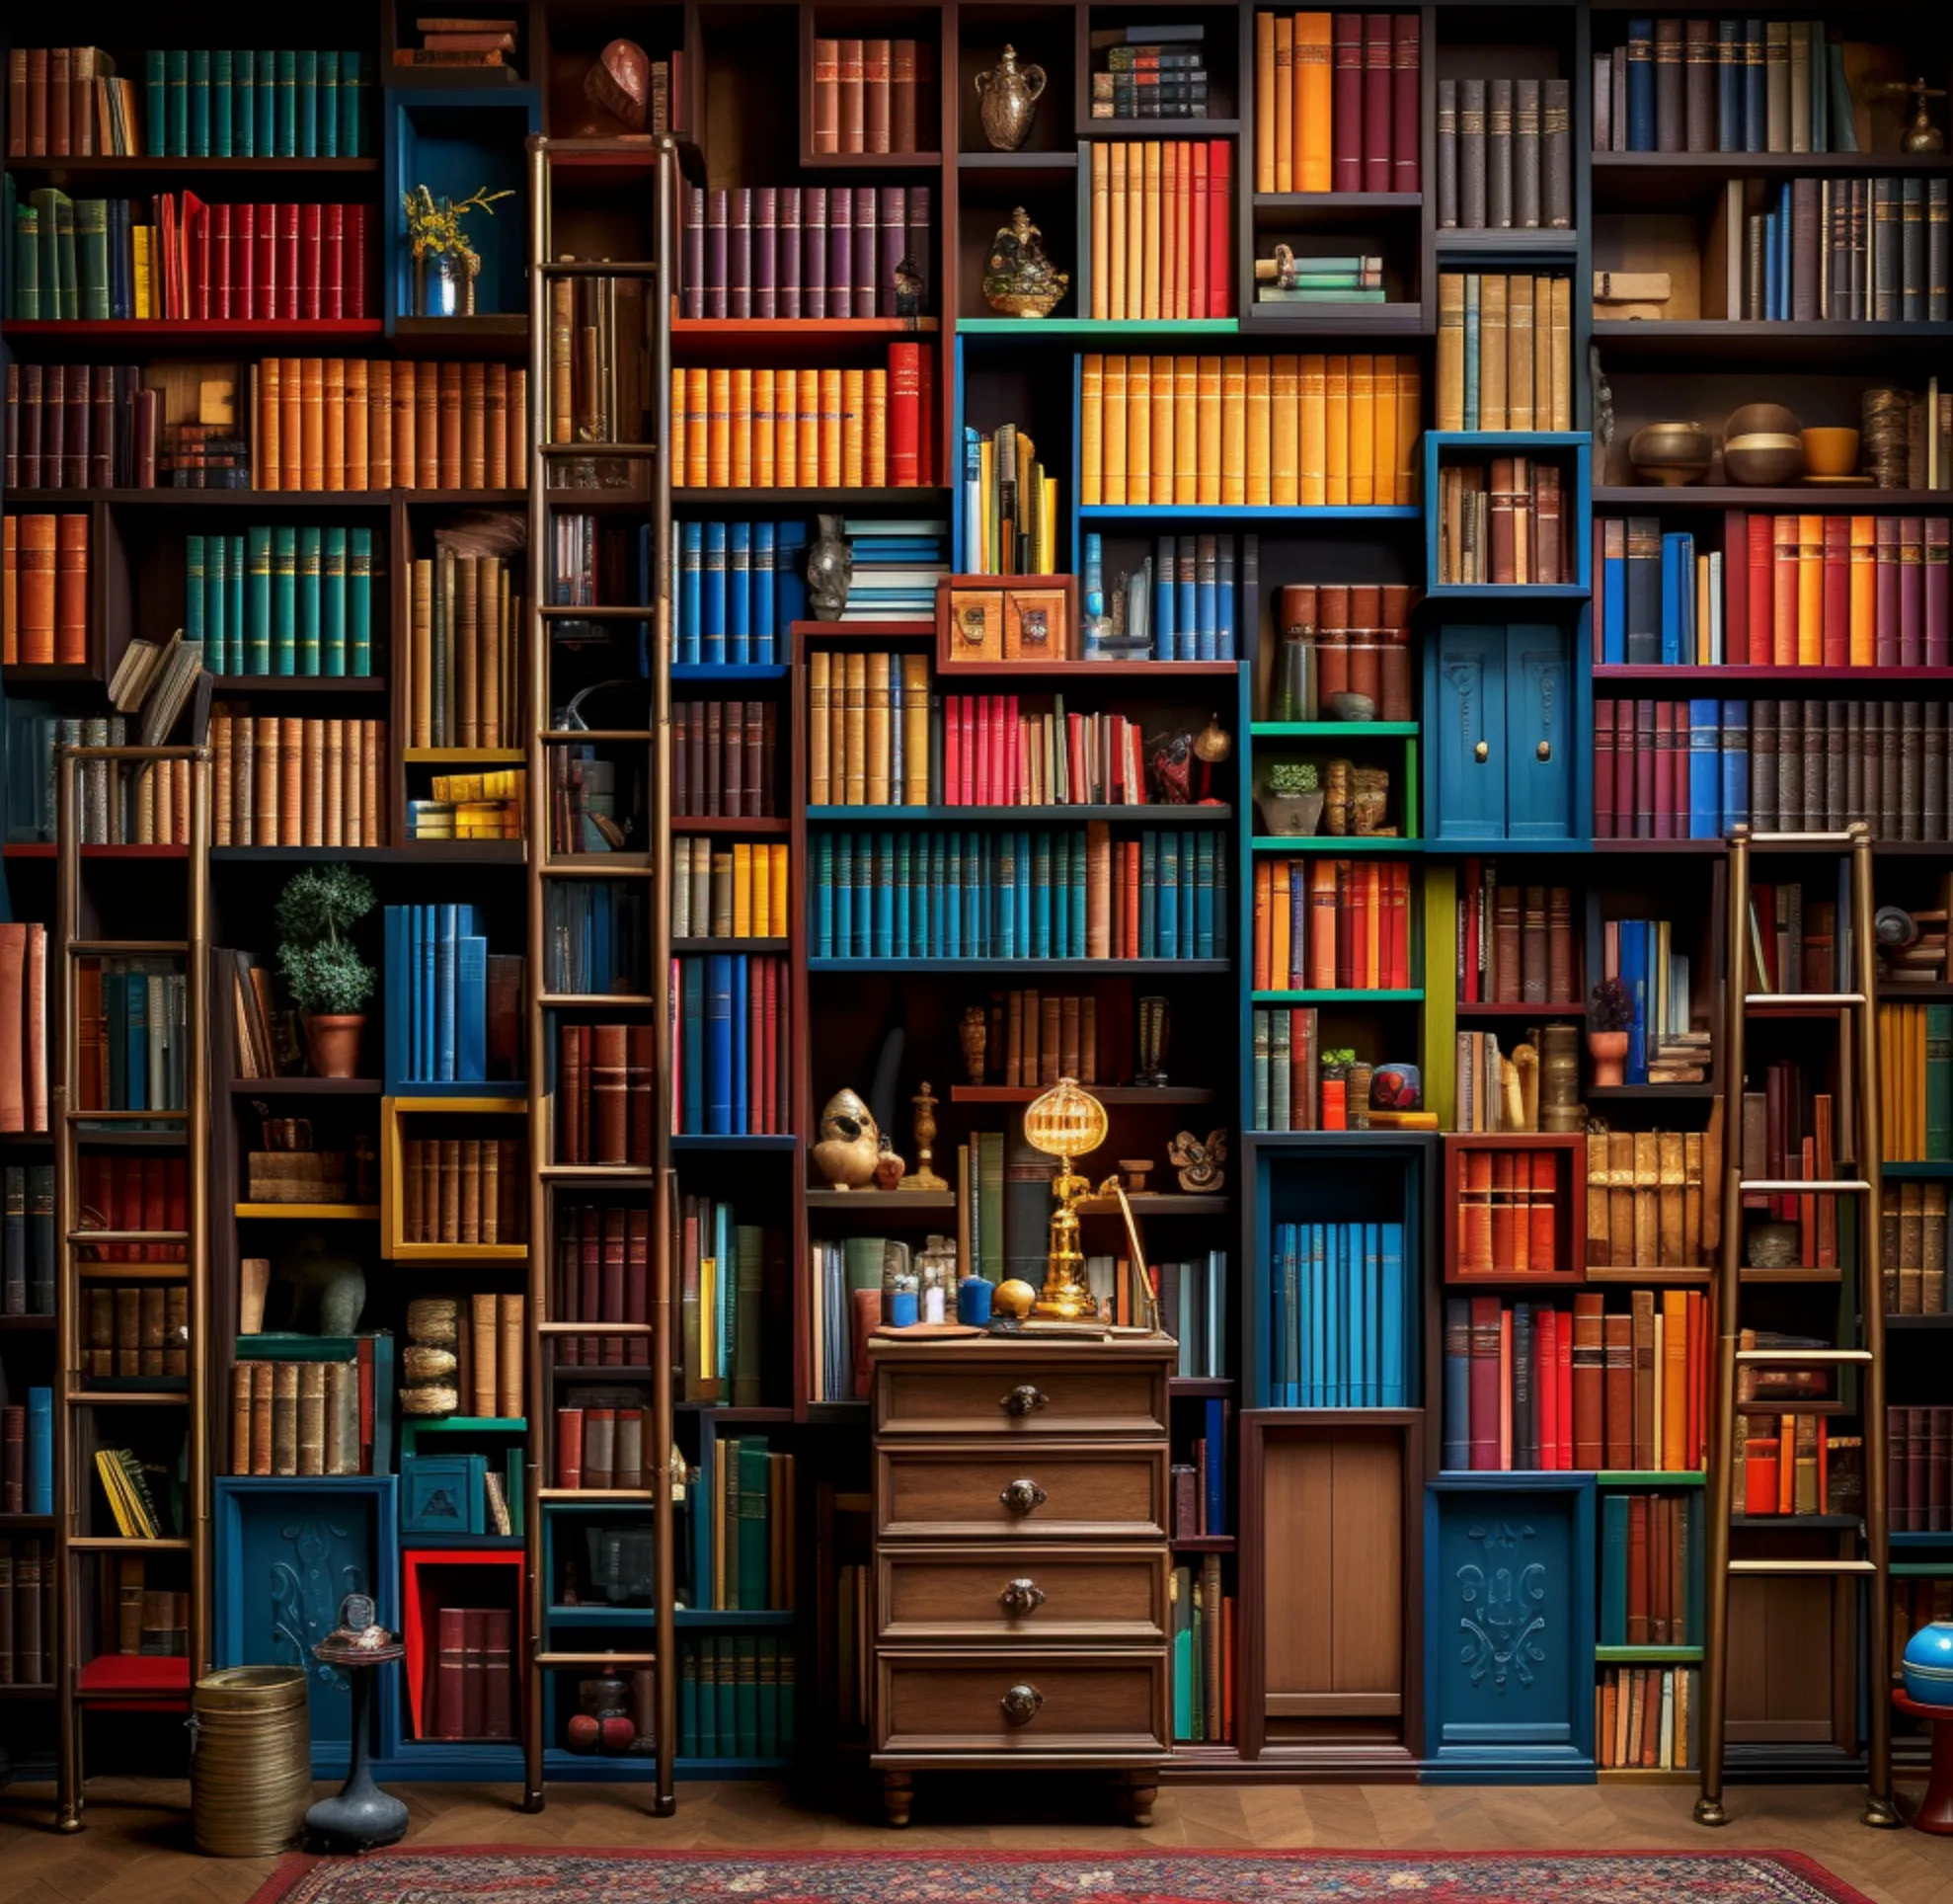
[
  {"x": 224, "y": 105},
  {"x": 1019, "y": 893},
  {"x": 735, "y": 1696},
  {"x": 1340, "y": 1321},
  {"x": 281, "y": 600}
]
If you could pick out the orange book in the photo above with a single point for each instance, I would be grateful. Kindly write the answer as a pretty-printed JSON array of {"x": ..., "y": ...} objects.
[
  {"x": 1186, "y": 428},
  {"x": 765, "y": 441},
  {"x": 427, "y": 425},
  {"x": 1281, "y": 953},
  {"x": 494, "y": 431},
  {"x": 1150, "y": 257},
  {"x": 1136, "y": 228},
  {"x": 266, "y": 469},
  {"x": 1312, "y": 101},
  {"x": 1183, "y": 242},
  {"x": 1410, "y": 424},
  {"x": 1111, "y": 442},
  {"x": 1234, "y": 431},
  {"x": 1362, "y": 431},
  {"x": 71, "y": 589},
  {"x": 332, "y": 400},
  {"x": 1285, "y": 103},
  {"x": 1112, "y": 208},
  {"x": 1321, "y": 930},
  {"x": 1283, "y": 431},
  {"x": 740, "y": 426},
  {"x": 827, "y": 385},
  {"x": 1170, "y": 259},
  {"x": 1384, "y": 429},
  {"x": 1336, "y": 430},
  {"x": 1259, "y": 426},
  {"x": 1785, "y": 557},
  {"x": 1312, "y": 447},
  {"x": 379, "y": 424},
  {"x": 1139, "y": 429},
  {"x": 1207, "y": 456},
  {"x": 1864, "y": 592},
  {"x": 1475, "y": 1215},
  {"x": 358, "y": 476},
  {"x": 1675, "y": 1377},
  {"x": 291, "y": 423},
  {"x": 1264, "y": 923},
  {"x": 1265, "y": 102},
  {"x": 473, "y": 473},
  {"x": 1165, "y": 396},
  {"x": 1809, "y": 590},
  {"x": 854, "y": 428},
  {"x": 1786, "y": 1465},
  {"x": 718, "y": 417}
]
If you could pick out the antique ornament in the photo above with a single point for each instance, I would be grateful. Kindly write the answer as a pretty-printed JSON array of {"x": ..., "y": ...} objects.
[
  {"x": 620, "y": 83},
  {"x": 1019, "y": 279},
  {"x": 1198, "y": 1163},
  {"x": 924, "y": 1176},
  {"x": 849, "y": 1144},
  {"x": 973, "y": 1034},
  {"x": 829, "y": 568},
  {"x": 1009, "y": 94}
]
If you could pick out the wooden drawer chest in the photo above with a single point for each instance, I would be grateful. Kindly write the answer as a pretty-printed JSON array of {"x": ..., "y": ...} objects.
[{"x": 1021, "y": 1558}]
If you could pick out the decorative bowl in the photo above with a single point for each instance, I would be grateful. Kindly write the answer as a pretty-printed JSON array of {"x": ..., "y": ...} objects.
[
  {"x": 1762, "y": 419},
  {"x": 1762, "y": 447},
  {"x": 1929, "y": 1664},
  {"x": 1670, "y": 453},
  {"x": 1830, "y": 451}
]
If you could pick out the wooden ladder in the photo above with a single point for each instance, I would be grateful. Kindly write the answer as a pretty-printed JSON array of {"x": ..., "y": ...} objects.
[{"x": 1857, "y": 1174}]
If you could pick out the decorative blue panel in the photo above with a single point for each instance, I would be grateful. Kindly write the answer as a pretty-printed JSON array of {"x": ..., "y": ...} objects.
[
  {"x": 1509, "y": 1629},
  {"x": 1539, "y": 733},
  {"x": 287, "y": 1553},
  {"x": 1466, "y": 705}
]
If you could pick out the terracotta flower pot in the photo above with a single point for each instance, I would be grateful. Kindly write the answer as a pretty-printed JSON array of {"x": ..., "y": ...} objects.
[
  {"x": 1609, "y": 1051},
  {"x": 332, "y": 1038}
]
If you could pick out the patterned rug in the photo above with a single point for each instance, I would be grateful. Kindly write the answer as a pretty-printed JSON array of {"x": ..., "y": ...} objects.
[{"x": 510, "y": 1876}]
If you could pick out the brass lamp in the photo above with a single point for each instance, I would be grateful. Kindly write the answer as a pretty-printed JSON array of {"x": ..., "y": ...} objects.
[{"x": 1065, "y": 1123}]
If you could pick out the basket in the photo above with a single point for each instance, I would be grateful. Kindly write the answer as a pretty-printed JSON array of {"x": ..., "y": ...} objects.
[{"x": 251, "y": 1760}]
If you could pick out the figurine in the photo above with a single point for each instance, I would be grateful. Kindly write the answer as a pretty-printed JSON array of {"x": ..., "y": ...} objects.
[
  {"x": 1200, "y": 1164},
  {"x": 974, "y": 1033},
  {"x": 910, "y": 288},
  {"x": 849, "y": 1143},
  {"x": 1009, "y": 94},
  {"x": 358, "y": 1625},
  {"x": 1211, "y": 746},
  {"x": 890, "y": 1166},
  {"x": 1018, "y": 280},
  {"x": 924, "y": 1176},
  {"x": 1604, "y": 398},
  {"x": 829, "y": 568},
  {"x": 620, "y": 83},
  {"x": 1923, "y": 135}
]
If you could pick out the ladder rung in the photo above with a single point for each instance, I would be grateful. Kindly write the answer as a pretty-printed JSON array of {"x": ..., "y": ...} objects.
[
  {"x": 1800, "y": 839},
  {"x": 1796, "y": 1187},
  {"x": 594, "y": 1328},
  {"x": 608, "y": 612},
  {"x": 128, "y": 1398},
  {"x": 118, "y": 948},
  {"x": 596, "y": 449},
  {"x": 1761, "y": 1000},
  {"x": 1840, "y": 1567},
  {"x": 596, "y": 1659},
  {"x": 595, "y": 1493},
  {"x": 596, "y": 733},
  {"x": 1796, "y": 1358},
  {"x": 598, "y": 267}
]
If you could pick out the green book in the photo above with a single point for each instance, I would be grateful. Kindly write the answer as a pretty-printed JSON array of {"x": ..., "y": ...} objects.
[
  {"x": 332, "y": 602},
  {"x": 729, "y": 1532},
  {"x": 1939, "y": 1082},
  {"x": 308, "y": 599},
  {"x": 745, "y": 1655},
  {"x": 1614, "y": 1568},
  {"x": 46, "y": 204},
  {"x": 199, "y": 104},
  {"x": 223, "y": 104},
  {"x": 747, "y": 1291},
  {"x": 92, "y": 257},
  {"x": 360, "y": 602},
  {"x": 354, "y": 80},
  {"x": 255, "y": 648},
  {"x": 725, "y": 1689},
  {"x": 285, "y": 603},
  {"x": 766, "y": 1734},
  {"x": 784, "y": 1664},
  {"x": 305, "y": 96},
  {"x": 178, "y": 69},
  {"x": 243, "y": 104},
  {"x": 287, "y": 70},
  {"x": 755, "y": 1502},
  {"x": 989, "y": 1146},
  {"x": 327, "y": 92},
  {"x": 26, "y": 300},
  {"x": 216, "y": 593},
  {"x": 155, "y": 104},
  {"x": 266, "y": 111},
  {"x": 67, "y": 287},
  {"x": 195, "y": 604},
  {"x": 234, "y": 606}
]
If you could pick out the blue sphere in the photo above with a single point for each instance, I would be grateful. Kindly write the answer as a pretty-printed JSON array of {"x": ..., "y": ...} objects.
[{"x": 1929, "y": 1664}]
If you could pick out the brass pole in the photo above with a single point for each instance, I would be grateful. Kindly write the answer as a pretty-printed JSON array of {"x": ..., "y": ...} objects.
[
  {"x": 196, "y": 933},
  {"x": 61, "y": 1097}
]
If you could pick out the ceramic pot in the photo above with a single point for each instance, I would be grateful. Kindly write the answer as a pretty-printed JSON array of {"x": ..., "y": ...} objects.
[
  {"x": 1009, "y": 94},
  {"x": 1831, "y": 451},
  {"x": 1608, "y": 1051},
  {"x": 1670, "y": 453},
  {"x": 1293, "y": 816},
  {"x": 1762, "y": 447},
  {"x": 1929, "y": 1664},
  {"x": 332, "y": 1039}
]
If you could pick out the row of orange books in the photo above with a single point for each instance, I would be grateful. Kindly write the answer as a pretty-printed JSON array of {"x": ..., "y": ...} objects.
[
  {"x": 1161, "y": 212},
  {"x": 280, "y": 781}
]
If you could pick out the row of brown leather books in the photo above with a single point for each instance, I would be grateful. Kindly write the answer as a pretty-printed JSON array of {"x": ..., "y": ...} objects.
[
  {"x": 1919, "y": 1455},
  {"x": 283, "y": 782},
  {"x": 1646, "y": 1717},
  {"x": 1360, "y": 633},
  {"x": 1045, "y": 1036},
  {"x": 723, "y": 760},
  {"x": 602, "y": 1439},
  {"x": 28, "y": 1586},
  {"x": 1504, "y": 523},
  {"x": 464, "y": 1190},
  {"x": 358, "y": 423},
  {"x": 153, "y": 1621},
  {"x": 602, "y": 1266},
  {"x": 490, "y": 1375},
  {"x": 1912, "y": 1248},
  {"x": 1646, "y": 1206},
  {"x": 43, "y": 590},
  {"x": 295, "y": 1418},
  {"x": 603, "y": 1097},
  {"x": 1515, "y": 942},
  {"x": 139, "y": 1330},
  {"x": 464, "y": 646}
]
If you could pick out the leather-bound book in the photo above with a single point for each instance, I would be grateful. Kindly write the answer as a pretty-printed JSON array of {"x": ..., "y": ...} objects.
[
  {"x": 1499, "y": 154},
  {"x": 34, "y": 1567},
  {"x": 1406, "y": 172},
  {"x": 483, "y": 1334},
  {"x": 10, "y": 1673},
  {"x": 904, "y": 80},
  {"x": 1504, "y": 532},
  {"x": 1471, "y": 155},
  {"x": 424, "y": 410},
  {"x": 446, "y": 1694},
  {"x": 284, "y": 1418},
  {"x": 876, "y": 101},
  {"x": 600, "y": 1446},
  {"x": 449, "y": 467},
  {"x": 627, "y": 1449},
  {"x": 1347, "y": 154},
  {"x": 608, "y": 1094},
  {"x": 355, "y": 417},
  {"x": 1671, "y": 118},
  {"x": 509, "y": 1356},
  {"x": 1378, "y": 56},
  {"x": 826, "y": 114},
  {"x": 853, "y": 100},
  {"x": 1619, "y": 1378},
  {"x": 35, "y": 559},
  {"x": 13, "y": 1458},
  {"x": 311, "y": 1417},
  {"x": 638, "y": 1060},
  {"x": 497, "y": 1674},
  {"x": 149, "y": 1326},
  {"x": 1395, "y": 654},
  {"x": 1525, "y": 155},
  {"x": 264, "y": 1382},
  {"x": 240, "y": 1376},
  {"x": 1699, "y": 85},
  {"x": 1485, "y": 1396}
]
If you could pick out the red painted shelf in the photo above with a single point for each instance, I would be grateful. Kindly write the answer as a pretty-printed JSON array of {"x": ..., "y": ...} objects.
[
  {"x": 196, "y": 334},
  {"x": 1746, "y": 675}
]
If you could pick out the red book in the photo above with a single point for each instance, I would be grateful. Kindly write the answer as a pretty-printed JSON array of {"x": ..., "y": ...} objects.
[
  {"x": 1545, "y": 1383},
  {"x": 219, "y": 217},
  {"x": 264, "y": 280},
  {"x": 197, "y": 231},
  {"x": 311, "y": 225},
  {"x": 1691, "y": 1453},
  {"x": 1736, "y": 587},
  {"x": 1760, "y": 1475},
  {"x": 1885, "y": 617},
  {"x": 953, "y": 751},
  {"x": 1378, "y": 56},
  {"x": 980, "y": 770},
  {"x": 155, "y": 1207},
  {"x": 498, "y": 1675},
  {"x": 1603, "y": 786},
  {"x": 332, "y": 261},
  {"x": 1000, "y": 728},
  {"x": 905, "y": 421},
  {"x": 1483, "y": 1386},
  {"x": 1221, "y": 223},
  {"x": 1196, "y": 262},
  {"x": 448, "y": 1673},
  {"x": 637, "y": 1279},
  {"x": 927, "y": 457},
  {"x": 474, "y": 1662},
  {"x": 287, "y": 266},
  {"x": 569, "y": 1448},
  {"x": 610, "y": 1286},
  {"x": 1563, "y": 1385},
  {"x": 354, "y": 274},
  {"x": 639, "y": 1062},
  {"x": 1346, "y": 167},
  {"x": 1911, "y": 592},
  {"x": 1837, "y": 591},
  {"x": 363, "y": 1354},
  {"x": 1404, "y": 128},
  {"x": 1664, "y": 782},
  {"x": 244, "y": 260}
]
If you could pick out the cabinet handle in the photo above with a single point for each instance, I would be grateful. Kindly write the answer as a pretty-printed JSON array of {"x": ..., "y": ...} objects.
[
  {"x": 1482, "y": 751},
  {"x": 1020, "y": 1597},
  {"x": 1022, "y": 1399},
  {"x": 1545, "y": 750},
  {"x": 1020, "y": 1705},
  {"x": 1022, "y": 1496}
]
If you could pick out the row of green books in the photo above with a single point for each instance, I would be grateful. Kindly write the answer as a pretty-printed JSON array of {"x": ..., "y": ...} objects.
[
  {"x": 226, "y": 104},
  {"x": 281, "y": 600},
  {"x": 735, "y": 1696}
]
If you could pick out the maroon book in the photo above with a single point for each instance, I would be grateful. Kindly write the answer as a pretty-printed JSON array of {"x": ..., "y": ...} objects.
[
  {"x": 287, "y": 263},
  {"x": 569, "y": 1448},
  {"x": 1378, "y": 56},
  {"x": 611, "y": 1294},
  {"x": 474, "y": 1671},
  {"x": 1603, "y": 770},
  {"x": 352, "y": 272},
  {"x": 332, "y": 261},
  {"x": 311, "y": 228},
  {"x": 74, "y": 439},
  {"x": 637, "y": 1281},
  {"x": 1404, "y": 116},
  {"x": 1346, "y": 169},
  {"x": 447, "y": 1673},
  {"x": 264, "y": 273},
  {"x": 1644, "y": 771},
  {"x": 1483, "y": 1382},
  {"x": 1664, "y": 770},
  {"x": 498, "y": 1675},
  {"x": 244, "y": 260},
  {"x": 219, "y": 216},
  {"x": 102, "y": 432}
]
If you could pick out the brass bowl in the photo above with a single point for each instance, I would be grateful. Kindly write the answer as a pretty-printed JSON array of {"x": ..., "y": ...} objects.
[
  {"x": 1762, "y": 419},
  {"x": 1831, "y": 451},
  {"x": 1763, "y": 460},
  {"x": 1670, "y": 453}
]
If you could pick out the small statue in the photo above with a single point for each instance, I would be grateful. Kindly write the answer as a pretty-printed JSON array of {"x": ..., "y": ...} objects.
[
  {"x": 1923, "y": 135},
  {"x": 1604, "y": 398},
  {"x": 1019, "y": 279},
  {"x": 1200, "y": 1164},
  {"x": 829, "y": 568},
  {"x": 849, "y": 1143},
  {"x": 924, "y": 1176},
  {"x": 325, "y": 1290},
  {"x": 358, "y": 1625},
  {"x": 910, "y": 288},
  {"x": 974, "y": 1033},
  {"x": 1009, "y": 94},
  {"x": 620, "y": 83},
  {"x": 890, "y": 1166}
]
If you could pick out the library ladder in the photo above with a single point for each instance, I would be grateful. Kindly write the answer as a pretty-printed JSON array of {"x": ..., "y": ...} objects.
[
  {"x": 82, "y": 1538},
  {"x": 1856, "y": 1175},
  {"x": 556, "y": 478}
]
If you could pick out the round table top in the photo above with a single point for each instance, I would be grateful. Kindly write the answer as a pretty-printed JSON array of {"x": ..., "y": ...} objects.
[
  {"x": 1907, "y": 1703},
  {"x": 327, "y": 1654}
]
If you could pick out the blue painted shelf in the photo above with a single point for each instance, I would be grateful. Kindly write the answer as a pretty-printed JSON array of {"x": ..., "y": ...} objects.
[
  {"x": 1078, "y": 966},
  {"x": 1089, "y": 513},
  {"x": 1334, "y": 729},
  {"x": 1340, "y": 995},
  {"x": 726, "y": 671}
]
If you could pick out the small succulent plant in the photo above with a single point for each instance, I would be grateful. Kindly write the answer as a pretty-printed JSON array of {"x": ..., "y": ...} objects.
[{"x": 1286, "y": 777}]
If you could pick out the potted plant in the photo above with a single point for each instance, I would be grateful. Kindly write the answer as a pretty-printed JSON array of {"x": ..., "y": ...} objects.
[
  {"x": 1291, "y": 806},
  {"x": 328, "y": 979},
  {"x": 1608, "y": 1020}
]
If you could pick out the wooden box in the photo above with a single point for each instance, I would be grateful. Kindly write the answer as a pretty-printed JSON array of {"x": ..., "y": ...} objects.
[
  {"x": 1516, "y": 1208},
  {"x": 994, "y": 620}
]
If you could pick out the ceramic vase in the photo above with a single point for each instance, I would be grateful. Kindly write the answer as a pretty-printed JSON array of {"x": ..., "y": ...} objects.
[
  {"x": 1929, "y": 1664},
  {"x": 1608, "y": 1051}
]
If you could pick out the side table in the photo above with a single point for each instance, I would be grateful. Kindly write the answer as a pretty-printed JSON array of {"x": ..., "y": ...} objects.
[{"x": 1935, "y": 1812}]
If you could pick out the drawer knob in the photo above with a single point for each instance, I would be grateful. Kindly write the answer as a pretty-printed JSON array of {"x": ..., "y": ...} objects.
[
  {"x": 1022, "y": 1399},
  {"x": 1020, "y": 1597},
  {"x": 1022, "y": 1496},
  {"x": 1020, "y": 1705}
]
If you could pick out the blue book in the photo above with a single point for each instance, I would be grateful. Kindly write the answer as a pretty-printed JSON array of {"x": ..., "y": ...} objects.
[
  {"x": 1770, "y": 274},
  {"x": 268, "y": 106},
  {"x": 283, "y": 632},
  {"x": 1360, "y": 1295},
  {"x": 843, "y": 892},
  {"x": 1471, "y": 324},
  {"x": 1023, "y": 902},
  {"x": 862, "y": 900},
  {"x": 719, "y": 1045},
  {"x": 742, "y": 999},
  {"x": 904, "y": 945},
  {"x": 1613, "y": 604},
  {"x": 1223, "y": 612},
  {"x": 823, "y": 894},
  {"x": 1705, "y": 771},
  {"x": 217, "y": 599},
  {"x": 1734, "y": 751},
  {"x": 1189, "y": 888},
  {"x": 234, "y": 562},
  {"x": 243, "y": 104},
  {"x": 1187, "y": 600},
  {"x": 332, "y": 602},
  {"x": 326, "y": 84},
  {"x": 1729, "y": 86},
  {"x": 1634, "y": 976},
  {"x": 1007, "y": 893},
  {"x": 40, "y": 1454},
  {"x": 1165, "y": 646},
  {"x": 1149, "y": 892},
  {"x": 1677, "y": 595},
  {"x": 353, "y": 82},
  {"x": 360, "y": 602},
  {"x": 287, "y": 104},
  {"x": 447, "y": 937},
  {"x": 975, "y": 886},
  {"x": 222, "y": 103},
  {"x": 1167, "y": 932},
  {"x": 156, "y": 104},
  {"x": 691, "y": 577},
  {"x": 1216, "y": 1439},
  {"x": 199, "y": 104},
  {"x": 1456, "y": 1446},
  {"x": 887, "y": 945},
  {"x": 789, "y": 581},
  {"x": 1092, "y": 581},
  {"x": 178, "y": 79},
  {"x": 1075, "y": 943},
  {"x": 739, "y": 594},
  {"x": 196, "y": 601},
  {"x": 760, "y": 616},
  {"x": 471, "y": 1010},
  {"x": 136, "y": 1036},
  {"x": 1041, "y": 895},
  {"x": 712, "y": 621},
  {"x": 1318, "y": 1316},
  {"x": 1614, "y": 1568},
  {"x": 1392, "y": 1354},
  {"x": 1202, "y": 620},
  {"x": 1640, "y": 85},
  {"x": 305, "y": 104},
  {"x": 1333, "y": 1316},
  {"x": 692, "y": 992}
]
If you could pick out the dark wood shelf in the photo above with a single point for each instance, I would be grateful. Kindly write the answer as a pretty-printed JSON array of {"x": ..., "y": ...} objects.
[
  {"x": 301, "y": 684},
  {"x": 1800, "y": 497},
  {"x": 431, "y": 852},
  {"x": 1107, "y": 1094},
  {"x": 114, "y": 165},
  {"x": 189, "y": 334},
  {"x": 1720, "y": 342},
  {"x": 306, "y": 1087},
  {"x": 933, "y": 495},
  {"x": 1745, "y": 674}
]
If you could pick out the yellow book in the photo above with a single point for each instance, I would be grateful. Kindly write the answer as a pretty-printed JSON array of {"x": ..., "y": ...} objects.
[
  {"x": 1519, "y": 298},
  {"x": 1115, "y": 300},
  {"x": 741, "y": 429},
  {"x": 1312, "y": 480},
  {"x": 777, "y": 856},
  {"x": 1182, "y": 227},
  {"x": 1169, "y": 263},
  {"x": 1100, "y": 231},
  {"x": 1283, "y": 431},
  {"x": 1337, "y": 431},
  {"x": 1410, "y": 427},
  {"x": 1542, "y": 354},
  {"x": 1263, "y": 101},
  {"x": 1363, "y": 431},
  {"x": 742, "y": 890},
  {"x": 1048, "y": 529},
  {"x": 1259, "y": 377},
  {"x": 1207, "y": 427},
  {"x": 1285, "y": 103},
  {"x": 1810, "y": 591},
  {"x": 1149, "y": 256},
  {"x": 766, "y": 923},
  {"x": 986, "y": 476},
  {"x": 1492, "y": 360},
  {"x": 1136, "y": 228},
  {"x": 1234, "y": 431},
  {"x": 1561, "y": 300},
  {"x": 854, "y": 403},
  {"x": 1864, "y": 592},
  {"x": 1705, "y": 611},
  {"x": 806, "y": 427},
  {"x": 1451, "y": 350},
  {"x": 875, "y": 428},
  {"x": 915, "y": 753},
  {"x": 1186, "y": 428},
  {"x": 1164, "y": 391},
  {"x": 1113, "y": 454},
  {"x": 145, "y": 282},
  {"x": 1383, "y": 428},
  {"x": 832, "y": 424},
  {"x": 1139, "y": 429},
  {"x": 786, "y": 428},
  {"x": 1312, "y": 101},
  {"x": 1091, "y": 428},
  {"x": 719, "y": 429}
]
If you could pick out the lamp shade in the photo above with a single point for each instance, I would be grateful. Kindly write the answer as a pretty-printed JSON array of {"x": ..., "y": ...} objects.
[{"x": 1065, "y": 1122}]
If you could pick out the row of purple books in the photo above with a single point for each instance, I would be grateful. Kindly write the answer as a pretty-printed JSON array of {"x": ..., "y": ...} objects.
[{"x": 806, "y": 251}]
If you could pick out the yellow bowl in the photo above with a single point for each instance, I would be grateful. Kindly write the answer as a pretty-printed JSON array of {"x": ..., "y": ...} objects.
[{"x": 1830, "y": 451}]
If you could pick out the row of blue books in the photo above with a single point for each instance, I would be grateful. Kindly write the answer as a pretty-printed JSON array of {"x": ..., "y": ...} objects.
[
  {"x": 733, "y": 1062},
  {"x": 281, "y": 600},
  {"x": 1183, "y": 602},
  {"x": 1781, "y": 85},
  {"x": 145, "y": 1003},
  {"x": 33, "y": 1475},
  {"x": 1012, "y": 892},
  {"x": 223, "y": 104},
  {"x": 1640, "y": 953},
  {"x": 436, "y": 995},
  {"x": 594, "y": 935},
  {"x": 741, "y": 585},
  {"x": 896, "y": 569},
  {"x": 1648, "y": 611},
  {"x": 1340, "y": 1317}
]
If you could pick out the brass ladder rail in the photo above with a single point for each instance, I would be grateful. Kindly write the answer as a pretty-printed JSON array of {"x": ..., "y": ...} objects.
[
  {"x": 73, "y": 1481},
  {"x": 1856, "y": 1012}
]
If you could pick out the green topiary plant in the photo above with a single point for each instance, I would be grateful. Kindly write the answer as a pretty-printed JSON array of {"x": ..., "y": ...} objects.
[
  {"x": 1286, "y": 777},
  {"x": 316, "y": 912}
]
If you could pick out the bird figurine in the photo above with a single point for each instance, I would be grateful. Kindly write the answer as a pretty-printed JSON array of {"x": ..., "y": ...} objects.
[
  {"x": 910, "y": 287},
  {"x": 849, "y": 1143},
  {"x": 1198, "y": 1163},
  {"x": 829, "y": 568}
]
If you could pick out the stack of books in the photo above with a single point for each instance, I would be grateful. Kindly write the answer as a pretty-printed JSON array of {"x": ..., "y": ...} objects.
[
  {"x": 1504, "y": 155},
  {"x": 748, "y": 1502},
  {"x": 1338, "y": 1318},
  {"x": 741, "y": 587},
  {"x": 1044, "y": 1036},
  {"x": 28, "y": 1583},
  {"x": 471, "y": 1677},
  {"x": 125, "y": 1478},
  {"x": 1203, "y": 1664},
  {"x": 1153, "y": 71},
  {"x": 1182, "y": 602},
  {"x": 139, "y": 1620},
  {"x": 1919, "y": 1442},
  {"x": 132, "y": 1034},
  {"x": 1507, "y": 1212},
  {"x": 27, "y": 1453},
  {"x": 1502, "y": 522},
  {"x": 602, "y": 1436},
  {"x": 137, "y": 1330},
  {"x": 451, "y": 1006},
  {"x": 470, "y": 806},
  {"x": 868, "y": 738},
  {"x": 1505, "y": 350},
  {"x": 1651, "y": 1568},
  {"x": 717, "y": 1720},
  {"x": 281, "y": 600},
  {"x": 1009, "y": 504},
  {"x": 602, "y": 1108},
  {"x": 1915, "y": 1081},
  {"x": 1788, "y": 1465},
  {"x": 1648, "y": 1718},
  {"x": 1326, "y": 277},
  {"x": 802, "y": 251},
  {"x": 309, "y": 1418},
  {"x": 1161, "y": 229},
  {"x": 896, "y": 568},
  {"x": 457, "y": 42},
  {"x": 1336, "y": 102},
  {"x": 27, "y": 1237},
  {"x": 995, "y": 756},
  {"x": 1193, "y": 1310},
  {"x": 584, "y": 814},
  {"x": 731, "y": 891},
  {"x": 600, "y": 1274},
  {"x": 723, "y": 758},
  {"x": 598, "y": 379},
  {"x": 1359, "y": 634},
  {"x": 282, "y": 781}
]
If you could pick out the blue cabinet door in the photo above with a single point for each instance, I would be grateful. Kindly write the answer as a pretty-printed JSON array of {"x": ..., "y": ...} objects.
[
  {"x": 1539, "y": 734},
  {"x": 1468, "y": 708}
]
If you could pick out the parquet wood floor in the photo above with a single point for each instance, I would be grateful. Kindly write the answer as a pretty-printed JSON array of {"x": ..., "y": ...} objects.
[{"x": 137, "y": 1847}]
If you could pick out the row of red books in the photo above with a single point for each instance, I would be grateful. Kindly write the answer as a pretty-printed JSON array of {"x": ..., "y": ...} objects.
[
  {"x": 603, "y": 1267},
  {"x": 473, "y": 1674},
  {"x": 127, "y": 1190},
  {"x": 1507, "y": 1212},
  {"x": 261, "y": 262},
  {"x": 603, "y": 1094}
]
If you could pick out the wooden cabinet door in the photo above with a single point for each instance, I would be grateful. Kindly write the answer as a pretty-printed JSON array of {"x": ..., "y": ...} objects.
[
  {"x": 1783, "y": 1677},
  {"x": 1539, "y": 736},
  {"x": 1469, "y": 710}
]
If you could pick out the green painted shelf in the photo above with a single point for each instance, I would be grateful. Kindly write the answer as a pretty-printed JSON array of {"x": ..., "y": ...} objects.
[
  {"x": 1649, "y": 1477},
  {"x": 1339, "y": 730},
  {"x": 1340, "y": 995},
  {"x": 1339, "y": 844},
  {"x": 1646, "y": 1656}
]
